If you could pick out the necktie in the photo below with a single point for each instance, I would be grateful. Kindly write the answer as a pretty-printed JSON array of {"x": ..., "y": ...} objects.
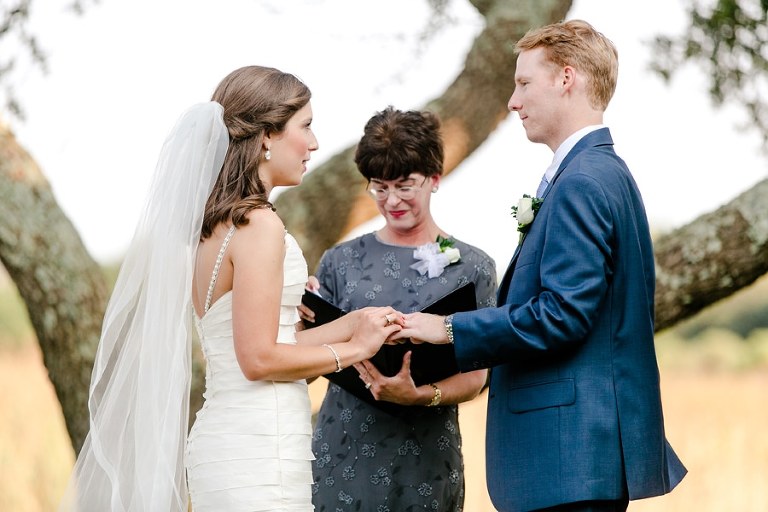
[{"x": 542, "y": 186}]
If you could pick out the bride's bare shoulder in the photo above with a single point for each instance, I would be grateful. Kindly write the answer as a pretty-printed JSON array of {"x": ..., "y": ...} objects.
[{"x": 264, "y": 226}]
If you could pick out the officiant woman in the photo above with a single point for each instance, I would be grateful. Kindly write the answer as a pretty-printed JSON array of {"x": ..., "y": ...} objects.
[{"x": 409, "y": 455}]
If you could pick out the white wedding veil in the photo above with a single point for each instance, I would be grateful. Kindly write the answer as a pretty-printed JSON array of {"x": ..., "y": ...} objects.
[{"x": 133, "y": 456}]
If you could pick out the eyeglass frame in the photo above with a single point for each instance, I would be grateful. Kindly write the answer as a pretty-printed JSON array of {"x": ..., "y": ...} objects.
[{"x": 411, "y": 190}]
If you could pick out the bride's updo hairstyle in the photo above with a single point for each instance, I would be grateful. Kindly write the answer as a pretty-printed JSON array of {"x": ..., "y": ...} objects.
[{"x": 257, "y": 101}]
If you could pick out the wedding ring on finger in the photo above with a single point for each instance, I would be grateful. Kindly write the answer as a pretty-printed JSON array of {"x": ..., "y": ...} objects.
[
  {"x": 389, "y": 320},
  {"x": 367, "y": 385}
]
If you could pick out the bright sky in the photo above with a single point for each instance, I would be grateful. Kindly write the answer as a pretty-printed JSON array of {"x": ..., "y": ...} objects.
[{"x": 121, "y": 75}]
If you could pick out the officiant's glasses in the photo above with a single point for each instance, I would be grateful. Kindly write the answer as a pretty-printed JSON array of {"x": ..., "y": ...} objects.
[{"x": 380, "y": 192}]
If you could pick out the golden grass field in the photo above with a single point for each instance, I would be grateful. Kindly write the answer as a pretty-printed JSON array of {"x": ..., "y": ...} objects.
[{"x": 717, "y": 422}]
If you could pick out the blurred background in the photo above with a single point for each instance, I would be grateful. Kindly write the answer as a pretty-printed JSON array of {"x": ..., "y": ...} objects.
[{"x": 119, "y": 75}]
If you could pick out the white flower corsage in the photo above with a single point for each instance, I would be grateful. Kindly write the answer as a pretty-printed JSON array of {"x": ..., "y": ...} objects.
[
  {"x": 525, "y": 212},
  {"x": 434, "y": 257}
]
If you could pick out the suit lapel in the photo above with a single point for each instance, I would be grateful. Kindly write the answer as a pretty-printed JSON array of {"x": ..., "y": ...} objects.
[
  {"x": 595, "y": 138},
  {"x": 598, "y": 137},
  {"x": 501, "y": 296}
]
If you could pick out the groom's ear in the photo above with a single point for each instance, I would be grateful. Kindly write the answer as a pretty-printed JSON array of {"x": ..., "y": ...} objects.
[{"x": 567, "y": 78}]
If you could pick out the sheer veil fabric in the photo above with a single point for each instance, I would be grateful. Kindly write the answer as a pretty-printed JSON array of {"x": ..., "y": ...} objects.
[{"x": 132, "y": 458}]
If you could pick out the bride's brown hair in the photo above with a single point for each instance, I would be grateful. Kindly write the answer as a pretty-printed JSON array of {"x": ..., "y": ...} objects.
[{"x": 257, "y": 101}]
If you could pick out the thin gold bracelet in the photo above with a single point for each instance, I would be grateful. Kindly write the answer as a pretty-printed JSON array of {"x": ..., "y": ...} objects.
[{"x": 335, "y": 356}]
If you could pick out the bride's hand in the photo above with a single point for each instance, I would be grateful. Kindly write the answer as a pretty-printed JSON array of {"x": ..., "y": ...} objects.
[{"x": 372, "y": 327}]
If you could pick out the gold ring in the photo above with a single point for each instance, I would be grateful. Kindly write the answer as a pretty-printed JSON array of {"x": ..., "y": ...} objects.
[
  {"x": 367, "y": 385},
  {"x": 389, "y": 320}
]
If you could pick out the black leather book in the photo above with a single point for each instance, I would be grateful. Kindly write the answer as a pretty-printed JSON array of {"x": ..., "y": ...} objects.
[{"x": 429, "y": 363}]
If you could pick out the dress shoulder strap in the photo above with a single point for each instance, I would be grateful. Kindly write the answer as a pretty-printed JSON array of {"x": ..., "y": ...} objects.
[{"x": 216, "y": 267}]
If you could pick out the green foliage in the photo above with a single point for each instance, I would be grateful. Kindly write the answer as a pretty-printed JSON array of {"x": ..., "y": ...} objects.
[
  {"x": 714, "y": 349},
  {"x": 19, "y": 43},
  {"x": 758, "y": 341},
  {"x": 731, "y": 335},
  {"x": 730, "y": 42},
  {"x": 444, "y": 243},
  {"x": 742, "y": 313}
]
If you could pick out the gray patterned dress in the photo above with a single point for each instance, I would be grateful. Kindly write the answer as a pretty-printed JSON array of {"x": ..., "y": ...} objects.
[{"x": 368, "y": 459}]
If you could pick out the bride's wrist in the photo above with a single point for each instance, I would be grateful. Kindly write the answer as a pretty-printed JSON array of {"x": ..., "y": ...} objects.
[
  {"x": 361, "y": 348},
  {"x": 353, "y": 318}
]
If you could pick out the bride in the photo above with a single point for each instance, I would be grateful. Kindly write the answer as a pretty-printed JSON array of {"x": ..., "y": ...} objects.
[{"x": 211, "y": 252}]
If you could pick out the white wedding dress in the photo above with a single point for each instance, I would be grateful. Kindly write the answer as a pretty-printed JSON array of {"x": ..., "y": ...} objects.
[{"x": 250, "y": 446}]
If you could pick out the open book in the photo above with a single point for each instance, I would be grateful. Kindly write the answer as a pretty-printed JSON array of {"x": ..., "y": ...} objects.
[{"x": 429, "y": 363}]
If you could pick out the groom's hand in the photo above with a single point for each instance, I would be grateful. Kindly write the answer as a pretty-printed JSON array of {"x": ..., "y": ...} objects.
[{"x": 424, "y": 328}]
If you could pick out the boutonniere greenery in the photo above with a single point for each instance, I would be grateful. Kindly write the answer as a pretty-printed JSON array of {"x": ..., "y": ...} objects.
[
  {"x": 525, "y": 212},
  {"x": 432, "y": 258}
]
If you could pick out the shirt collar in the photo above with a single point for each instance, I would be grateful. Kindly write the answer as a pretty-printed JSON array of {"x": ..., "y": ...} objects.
[{"x": 566, "y": 147}]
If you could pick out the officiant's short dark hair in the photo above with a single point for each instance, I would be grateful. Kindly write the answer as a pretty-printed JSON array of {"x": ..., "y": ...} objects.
[{"x": 396, "y": 143}]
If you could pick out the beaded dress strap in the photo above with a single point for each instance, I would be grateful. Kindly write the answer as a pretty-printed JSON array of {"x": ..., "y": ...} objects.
[{"x": 216, "y": 267}]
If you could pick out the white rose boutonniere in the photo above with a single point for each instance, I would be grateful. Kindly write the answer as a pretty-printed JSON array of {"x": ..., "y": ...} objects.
[
  {"x": 432, "y": 258},
  {"x": 525, "y": 212}
]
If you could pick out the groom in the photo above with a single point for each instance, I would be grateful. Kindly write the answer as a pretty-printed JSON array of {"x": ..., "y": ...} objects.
[{"x": 574, "y": 410}]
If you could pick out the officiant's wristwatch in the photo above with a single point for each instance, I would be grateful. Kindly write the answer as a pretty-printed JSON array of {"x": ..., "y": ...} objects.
[{"x": 448, "y": 323}]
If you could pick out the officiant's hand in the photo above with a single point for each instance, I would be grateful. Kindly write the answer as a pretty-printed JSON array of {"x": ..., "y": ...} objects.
[
  {"x": 399, "y": 388},
  {"x": 305, "y": 313},
  {"x": 424, "y": 328}
]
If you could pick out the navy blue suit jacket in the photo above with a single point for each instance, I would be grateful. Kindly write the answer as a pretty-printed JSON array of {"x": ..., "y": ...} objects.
[{"x": 574, "y": 409}]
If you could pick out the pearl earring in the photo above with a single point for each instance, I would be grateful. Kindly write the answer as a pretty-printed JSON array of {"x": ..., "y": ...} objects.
[
  {"x": 267, "y": 154},
  {"x": 434, "y": 189}
]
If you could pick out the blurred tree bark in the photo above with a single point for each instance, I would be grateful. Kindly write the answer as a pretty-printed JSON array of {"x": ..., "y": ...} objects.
[
  {"x": 712, "y": 257},
  {"x": 66, "y": 293},
  {"x": 62, "y": 286}
]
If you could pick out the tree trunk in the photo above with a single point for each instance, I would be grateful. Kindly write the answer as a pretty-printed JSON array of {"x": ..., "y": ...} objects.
[{"x": 63, "y": 287}]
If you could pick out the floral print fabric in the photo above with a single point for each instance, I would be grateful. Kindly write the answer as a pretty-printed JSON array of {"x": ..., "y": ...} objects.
[{"x": 367, "y": 459}]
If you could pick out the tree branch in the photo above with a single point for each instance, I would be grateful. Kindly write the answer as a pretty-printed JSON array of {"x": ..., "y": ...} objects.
[{"x": 712, "y": 257}]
